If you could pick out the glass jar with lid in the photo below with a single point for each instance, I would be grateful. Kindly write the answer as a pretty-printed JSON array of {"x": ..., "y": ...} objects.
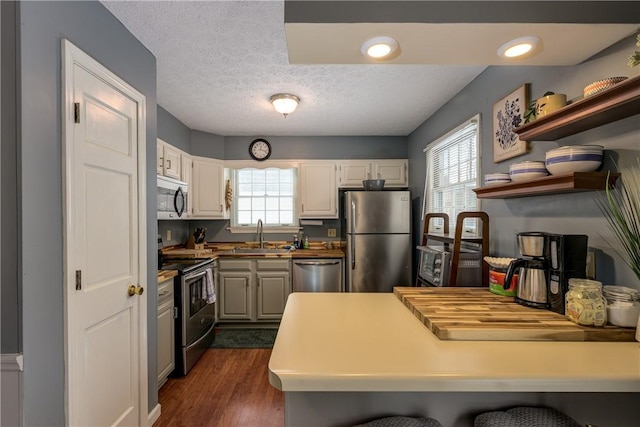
[{"x": 585, "y": 304}]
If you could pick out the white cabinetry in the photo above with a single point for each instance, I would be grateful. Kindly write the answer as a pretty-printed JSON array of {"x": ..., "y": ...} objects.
[
  {"x": 393, "y": 171},
  {"x": 186, "y": 175},
  {"x": 165, "y": 352},
  {"x": 317, "y": 192},
  {"x": 253, "y": 289},
  {"x": 169, "y": 160},
  {"x": 207, "y": 189}
]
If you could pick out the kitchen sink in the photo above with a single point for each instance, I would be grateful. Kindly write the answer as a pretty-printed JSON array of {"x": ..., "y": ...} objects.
[{"x": 258, "y": 251}]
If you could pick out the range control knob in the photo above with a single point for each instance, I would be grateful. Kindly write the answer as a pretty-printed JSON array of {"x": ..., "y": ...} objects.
[
  {"x": 436, "y": 271},
  {"x": 438, "y": 262}
]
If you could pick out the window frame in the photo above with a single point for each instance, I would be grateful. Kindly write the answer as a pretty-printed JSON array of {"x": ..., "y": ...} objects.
[
  {"x": 444, "y": 139},
  {"x": 234, "y": 227}
]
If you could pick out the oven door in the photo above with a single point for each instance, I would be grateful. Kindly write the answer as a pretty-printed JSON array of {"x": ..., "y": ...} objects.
[
  {"x": 434, "y": 265},
  {"x": 197, "y": 314}
]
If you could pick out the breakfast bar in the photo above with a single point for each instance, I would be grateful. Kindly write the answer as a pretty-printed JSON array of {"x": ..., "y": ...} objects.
[{"x": 343, "y": 359}]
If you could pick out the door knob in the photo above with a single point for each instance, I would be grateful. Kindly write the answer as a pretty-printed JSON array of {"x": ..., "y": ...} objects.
[{"x": 135, "y": 290}]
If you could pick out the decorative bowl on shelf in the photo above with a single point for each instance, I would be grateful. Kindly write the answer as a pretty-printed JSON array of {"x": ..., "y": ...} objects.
[
  {"x": 600, "y": 85},
  {"x": 373, "y": 184},
  {"x": 574, "y": 158},
  {"x": 527, "y": 171},
  {"x": 496, "y": 179}
]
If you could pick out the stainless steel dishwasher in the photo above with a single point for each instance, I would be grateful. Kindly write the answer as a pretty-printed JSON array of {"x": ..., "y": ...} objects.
[{"x": 318, "y": 275}]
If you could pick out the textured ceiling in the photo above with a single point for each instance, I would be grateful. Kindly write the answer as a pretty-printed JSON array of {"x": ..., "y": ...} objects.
[{"x": 218, "y": 62}]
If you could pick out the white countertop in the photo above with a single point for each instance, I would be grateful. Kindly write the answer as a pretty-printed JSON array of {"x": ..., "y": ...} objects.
[{"x": 372, "y": 342}]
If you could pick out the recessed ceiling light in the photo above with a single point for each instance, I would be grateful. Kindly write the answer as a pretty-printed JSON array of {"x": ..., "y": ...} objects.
[
  {"x": 520, "y": 47},
  {"x": 379, "y": 47}
]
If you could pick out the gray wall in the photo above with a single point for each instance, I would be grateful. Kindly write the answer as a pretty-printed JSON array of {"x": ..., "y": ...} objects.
[
  {"x": 574, "y": 213},
  {"x": 173, "y": 131},
  {"x": 93, "y": 29},
  {"x": 9, "y": 225},
  {"x": 321, "y": 147},
  {"x": 207, "y": 145}
]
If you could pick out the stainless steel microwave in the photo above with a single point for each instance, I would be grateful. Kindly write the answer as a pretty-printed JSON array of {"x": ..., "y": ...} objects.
[
  {"x": 172, "y": 198},
  {"x": 434, "y": 267}
]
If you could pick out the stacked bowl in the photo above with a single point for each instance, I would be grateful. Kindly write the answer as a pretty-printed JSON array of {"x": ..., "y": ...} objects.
[
  {"x": 527, "y": 171},
  {"x": 496, "y": 179},
  {"x": 574, "y": 158}
]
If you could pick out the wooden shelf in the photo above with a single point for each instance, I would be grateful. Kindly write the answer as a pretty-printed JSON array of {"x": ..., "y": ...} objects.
[
  {"x": 553, "y": 184},
  {"x": 618, "y": 102}
]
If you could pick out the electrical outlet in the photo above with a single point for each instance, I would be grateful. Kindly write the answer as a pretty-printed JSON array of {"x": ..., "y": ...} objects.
[
  {"x": 168, "y": 235},
  {"x": 331, "y": 232}
]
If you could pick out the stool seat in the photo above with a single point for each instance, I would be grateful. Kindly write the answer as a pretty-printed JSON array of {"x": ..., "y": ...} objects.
[
  {"x": 525, "y": 416},
  {"x": 402, "y": 422}
]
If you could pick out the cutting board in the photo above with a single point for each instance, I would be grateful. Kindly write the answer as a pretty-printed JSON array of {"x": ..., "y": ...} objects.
[{"x": 475, "y": 314}]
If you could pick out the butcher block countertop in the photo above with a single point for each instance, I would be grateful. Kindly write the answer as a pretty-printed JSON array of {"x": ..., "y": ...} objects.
[
  {"x": 373, "y": 342},
  {"x": 478, "y": 314},
  {"x": 166, "y": 275},
  {"x": 223, "y": 251}
]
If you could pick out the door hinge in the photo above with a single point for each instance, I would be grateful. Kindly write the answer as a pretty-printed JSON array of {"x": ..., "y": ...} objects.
[
  {"x": 78, "y": 280},
  {"x": 76, "y": 112}
]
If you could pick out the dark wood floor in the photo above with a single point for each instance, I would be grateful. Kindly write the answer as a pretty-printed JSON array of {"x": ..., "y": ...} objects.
[{"x": 226, "y": 388}]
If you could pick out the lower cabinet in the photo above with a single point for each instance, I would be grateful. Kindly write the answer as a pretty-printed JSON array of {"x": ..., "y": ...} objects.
[
  {"x": 253, "y": 290},
  {"x": 165, "y": 352}
]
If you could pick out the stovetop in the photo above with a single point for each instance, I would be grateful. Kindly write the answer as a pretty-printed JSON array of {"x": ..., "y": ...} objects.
[{"x": 186, "y": 265}]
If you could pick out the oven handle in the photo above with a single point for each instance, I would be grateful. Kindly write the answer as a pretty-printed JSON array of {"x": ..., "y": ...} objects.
[
  {"x": 199, "y": 340},
  {"x": 194, "y": 276},
  {"x": 353, "y": 235},
  {"x": 317, "y": 263}
]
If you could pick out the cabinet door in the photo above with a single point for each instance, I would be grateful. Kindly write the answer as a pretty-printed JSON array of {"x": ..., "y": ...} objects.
[
  {"x": 235, "y": 296},
  {"x": 273, "y": 289},
  {"x": 393, "y": 171},
  {"x": 165, "y": 342},
  {"x": 317, "y": 192},
  {"x": 353, "y": 172},
  {"x": 207, "y": 192},
  {"x": 171, "y": 162}
]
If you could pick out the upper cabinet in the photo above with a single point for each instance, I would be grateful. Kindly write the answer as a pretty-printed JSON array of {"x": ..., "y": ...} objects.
[
  {"x": 393, "y": 171},
  {"x": 618, "y": 102},
  {"x": 317, "y": 190},
  {"x": 168, "y": 160},
  {"x": 207, "y": 189}
]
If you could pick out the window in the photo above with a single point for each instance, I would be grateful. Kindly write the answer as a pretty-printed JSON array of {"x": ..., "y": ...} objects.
[
  {"x": 453, "y": 162},
  {"x": 266, "y": 194}
]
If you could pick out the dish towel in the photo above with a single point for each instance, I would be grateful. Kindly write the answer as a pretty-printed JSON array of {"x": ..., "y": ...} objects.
[{"x": 208, "y": 290}]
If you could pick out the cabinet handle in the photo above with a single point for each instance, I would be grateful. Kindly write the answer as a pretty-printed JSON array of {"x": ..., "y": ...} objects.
[
  {"x": 220, "y": 208},
  {"x": 169, "y": 162},
  {"x": 175, "y": 312},
  {"x": 378, "y": 175},
  {"x": 161, "y": 161},
  {"x": 303, "y": 207},
  {"x": 163, "y": 293}
]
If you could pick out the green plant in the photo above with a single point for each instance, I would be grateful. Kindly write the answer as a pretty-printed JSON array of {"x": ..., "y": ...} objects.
[
  {"x": 621, "y": 207},
  {"x": 634, "y": 59},
  {"x": 530, "y": 113}
]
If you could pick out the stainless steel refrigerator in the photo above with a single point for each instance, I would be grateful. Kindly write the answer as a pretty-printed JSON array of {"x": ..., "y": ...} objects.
[{"x": 378, "y": 233}]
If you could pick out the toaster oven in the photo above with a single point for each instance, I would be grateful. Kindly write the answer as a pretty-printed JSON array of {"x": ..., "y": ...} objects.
[{"x": 434, "y": 267}]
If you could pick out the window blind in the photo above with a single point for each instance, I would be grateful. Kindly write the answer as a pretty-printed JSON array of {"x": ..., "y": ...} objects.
[{"x": 452, "y": 173}]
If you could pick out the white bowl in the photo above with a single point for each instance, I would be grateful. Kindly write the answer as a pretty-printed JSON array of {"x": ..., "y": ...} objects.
[
  {"x": 623, "y": 314},
  {"x": 497, "y": 178},
  {"x": 528, "y": 166},
  {"x": 497, "y": 182},
  {"x": 518, "y": 176},
  {"x": 562, "y": 161}
]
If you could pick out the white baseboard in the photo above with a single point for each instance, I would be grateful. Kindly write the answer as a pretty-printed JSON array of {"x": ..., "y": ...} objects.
[
  {"x": 154, "y": 415},
  {"x": 11, "y": 389}
]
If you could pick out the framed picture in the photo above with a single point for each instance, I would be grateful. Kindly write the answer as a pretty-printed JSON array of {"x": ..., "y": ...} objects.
[{"x": 507, "y": 115}]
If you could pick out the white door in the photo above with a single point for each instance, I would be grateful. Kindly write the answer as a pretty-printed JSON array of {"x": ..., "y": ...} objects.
[{"x": 104, "y": 223}]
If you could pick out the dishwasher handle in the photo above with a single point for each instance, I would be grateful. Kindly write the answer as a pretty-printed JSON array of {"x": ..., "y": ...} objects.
[{"x": 316, "y": 263}]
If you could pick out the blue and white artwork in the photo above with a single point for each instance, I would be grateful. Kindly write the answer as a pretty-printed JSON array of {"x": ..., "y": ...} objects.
[{"x": 508, "y": 114}]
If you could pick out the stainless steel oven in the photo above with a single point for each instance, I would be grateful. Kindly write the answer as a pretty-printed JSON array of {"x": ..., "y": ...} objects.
[
  {"x": 196, "y": 314},
  {"x": 434, "y": 267}
]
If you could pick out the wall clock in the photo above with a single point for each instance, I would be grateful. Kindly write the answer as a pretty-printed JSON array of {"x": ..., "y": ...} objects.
[{"x": 260, "y": 149}]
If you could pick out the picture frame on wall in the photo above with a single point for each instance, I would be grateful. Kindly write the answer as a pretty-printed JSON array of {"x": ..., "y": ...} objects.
[{"x": 508, "y": 114}]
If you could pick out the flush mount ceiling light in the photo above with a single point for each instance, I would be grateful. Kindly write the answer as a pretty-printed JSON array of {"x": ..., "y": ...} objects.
[
  {"x": 284, "y": 103},
  {"x": 379, "y": 47},
  {"x": 520, "y": 47}
]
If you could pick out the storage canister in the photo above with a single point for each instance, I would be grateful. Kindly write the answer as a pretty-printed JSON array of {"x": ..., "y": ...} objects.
[{"x": 585, "y": 304}]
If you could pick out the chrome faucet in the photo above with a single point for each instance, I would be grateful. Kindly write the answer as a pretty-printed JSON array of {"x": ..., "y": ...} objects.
[{"x": 260, "y": 234}]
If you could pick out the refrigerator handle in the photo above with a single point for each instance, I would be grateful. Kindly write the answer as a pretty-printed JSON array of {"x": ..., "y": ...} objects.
[{"x": 353, "y": 235}]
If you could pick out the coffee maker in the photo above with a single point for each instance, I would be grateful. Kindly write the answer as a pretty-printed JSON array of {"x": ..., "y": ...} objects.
[
  {"x": 567, "y": 260},
  {"x": 547, "y": 263}
]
